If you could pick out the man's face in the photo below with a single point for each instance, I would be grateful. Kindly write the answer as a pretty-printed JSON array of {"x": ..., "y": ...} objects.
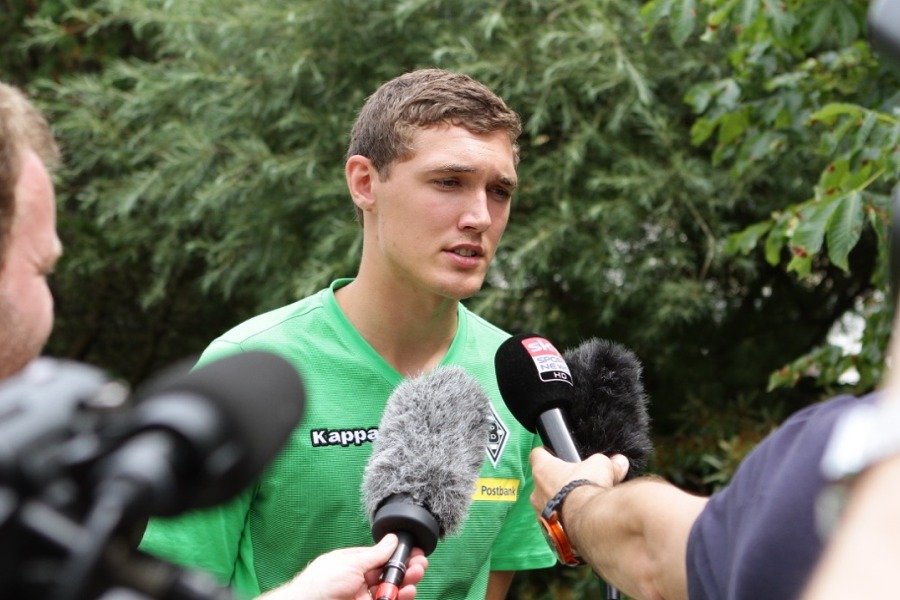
[
  {"x": 26, "y": 305},
  {"x": 440, "y": 214}
]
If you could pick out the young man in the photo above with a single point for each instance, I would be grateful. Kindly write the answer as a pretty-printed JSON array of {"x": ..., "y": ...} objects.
[
  {"x": 29, "y": 249},
  {"x": 431, "y": 168}
]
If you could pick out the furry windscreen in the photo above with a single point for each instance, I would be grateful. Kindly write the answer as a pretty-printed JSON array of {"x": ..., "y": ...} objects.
[
  {"x": 608, "y": 414},
  {"x": 430, "y": 446}
]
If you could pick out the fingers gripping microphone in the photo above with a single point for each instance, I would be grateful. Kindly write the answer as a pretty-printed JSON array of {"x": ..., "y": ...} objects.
[
  {"x": 609, "y": 406},
  {"x": 421, "y": 476},
  {"x": 538, "y": 389}
]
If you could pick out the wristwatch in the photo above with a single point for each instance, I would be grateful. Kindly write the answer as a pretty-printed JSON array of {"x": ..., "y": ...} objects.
[
  {"x": 551, "y": 524},
  {"x": 863, "y": 436}
]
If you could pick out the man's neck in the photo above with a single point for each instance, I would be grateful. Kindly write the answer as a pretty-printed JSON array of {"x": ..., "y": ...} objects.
[{"x": 411, "y": 333}]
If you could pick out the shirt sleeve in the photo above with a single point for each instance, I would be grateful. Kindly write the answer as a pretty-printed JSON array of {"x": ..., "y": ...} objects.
[
  {"x": 520, "y": 545},
  {"x": 208, "y": 539}
]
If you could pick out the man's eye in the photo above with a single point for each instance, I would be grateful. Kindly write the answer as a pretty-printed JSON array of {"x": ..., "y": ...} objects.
[
  {"x": 502, "y": 192},
  {"x": 447, "y": 183}
]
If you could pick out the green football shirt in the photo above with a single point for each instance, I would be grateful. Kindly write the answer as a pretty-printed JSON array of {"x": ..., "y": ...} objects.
[{"x": 308, "y": 501}]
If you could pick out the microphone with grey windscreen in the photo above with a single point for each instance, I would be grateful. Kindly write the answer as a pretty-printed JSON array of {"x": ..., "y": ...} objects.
[{"x": 420, "y": 479}]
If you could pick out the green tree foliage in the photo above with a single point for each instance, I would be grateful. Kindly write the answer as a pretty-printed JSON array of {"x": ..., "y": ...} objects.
[
  {"x": 75, "y": 46},
  {"x": 802, "y": 87},
  {"x": 204, "y": 182},
  {"x": 705, "y": 182}
]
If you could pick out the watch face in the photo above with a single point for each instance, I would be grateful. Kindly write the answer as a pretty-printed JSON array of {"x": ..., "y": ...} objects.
[{"x": 558, "y": 541}]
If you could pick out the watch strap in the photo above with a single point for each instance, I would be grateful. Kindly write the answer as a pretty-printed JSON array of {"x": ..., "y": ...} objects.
[{"x": 551, "y": 521}]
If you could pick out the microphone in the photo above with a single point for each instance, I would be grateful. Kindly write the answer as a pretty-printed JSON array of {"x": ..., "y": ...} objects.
[
  {"x": 197, "y": 438},
  {"x": 420, "y": 478},
  {"x": 193, "y": 440},
  {"x": 82, "y": 462},
  {"x": 609, "y": 406},
  {"x": 538, "y": 389}
]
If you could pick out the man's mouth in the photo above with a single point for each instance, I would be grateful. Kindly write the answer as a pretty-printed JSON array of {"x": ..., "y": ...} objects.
[{"x": 464, "y": 252}]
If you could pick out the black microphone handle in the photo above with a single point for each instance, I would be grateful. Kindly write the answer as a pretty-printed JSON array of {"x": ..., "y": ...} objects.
[
  {"x": 553, "y": 427},
  {"x": 395, "y": 569}
]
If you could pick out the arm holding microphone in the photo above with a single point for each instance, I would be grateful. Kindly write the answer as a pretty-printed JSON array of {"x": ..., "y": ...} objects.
[
  {"x": 591, "y": 403},
  {"x": 634, "y": 535},
  {"x": 758, "y": 537}
]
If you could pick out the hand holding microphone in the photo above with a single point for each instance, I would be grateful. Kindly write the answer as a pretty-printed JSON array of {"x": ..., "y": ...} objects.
[
  {"x": 421, "y": 476},
  {"x": 599, "y": 406},
  {"x": 351, "y": 574}
]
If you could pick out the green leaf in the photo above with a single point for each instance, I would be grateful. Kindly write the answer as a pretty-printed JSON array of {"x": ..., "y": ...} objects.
[
  {"x": 699, "y": 96},
  {"x": 864, "y": 131},
  {"x": 846, "y": 23},
  {"x": 782, "y": 19},
  {"x": 654, "y": 11},
  {"x": 732, "y": 126},
  {"x": 744, "y": 241},
  {"x": 776, "y": 240},
  {"x": 684, "y": 19},
  {"x": 702, "y": 129},
  {"x": 845, "y": 229},
  {"x": 832, "y": 180},
  {"x": 819, "y": 26},
  {"x": 829, "y": 112},
  {"x": 747, "y": 12},
  {"x": 810, "y": 232},
  {"x": 800, "y": 263}
]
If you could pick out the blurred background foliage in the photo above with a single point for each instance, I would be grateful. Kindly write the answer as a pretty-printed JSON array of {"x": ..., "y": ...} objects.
[{"x": 706, "y": 182}]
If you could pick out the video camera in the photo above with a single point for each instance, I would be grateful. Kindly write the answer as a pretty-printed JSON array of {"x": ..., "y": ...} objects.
[{"x": 84, "y": 464}]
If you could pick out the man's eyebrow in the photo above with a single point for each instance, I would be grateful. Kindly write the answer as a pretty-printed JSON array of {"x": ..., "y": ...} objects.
[
  {"x": 510, "y": 183},
  {"x": 453, "y": 168},
  {"x": 458, "y": 168}
]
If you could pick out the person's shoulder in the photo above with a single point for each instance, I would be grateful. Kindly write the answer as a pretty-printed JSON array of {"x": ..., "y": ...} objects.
[
  {"x": 271, "y": 323},
  {"x": 830, "y": 409},
  {"x": 481, "y": 328}
]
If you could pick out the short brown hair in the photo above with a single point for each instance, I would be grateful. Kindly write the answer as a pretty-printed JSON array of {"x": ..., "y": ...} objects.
[
  {"x": 386, "y": 123},
  {"x": 22, "y": 127}
]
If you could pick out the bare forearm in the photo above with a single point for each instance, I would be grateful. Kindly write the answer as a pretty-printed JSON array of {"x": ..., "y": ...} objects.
[
  {"x": 635, "y": 535},
  {"x": 498, "y": 584}
]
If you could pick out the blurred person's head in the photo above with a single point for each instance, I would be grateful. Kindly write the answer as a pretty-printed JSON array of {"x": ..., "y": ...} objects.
[{"x": 29, "y": 246}]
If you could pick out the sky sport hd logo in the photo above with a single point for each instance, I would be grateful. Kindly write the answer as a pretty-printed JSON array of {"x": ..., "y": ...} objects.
[{"x": 550, "y": 364}]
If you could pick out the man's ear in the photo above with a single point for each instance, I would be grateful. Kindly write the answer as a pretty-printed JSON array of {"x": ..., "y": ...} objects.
[{"x": 360, "y": 174}]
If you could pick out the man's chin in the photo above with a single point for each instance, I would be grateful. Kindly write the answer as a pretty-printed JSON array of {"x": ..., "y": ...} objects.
[{"x": 464, "y": 293}]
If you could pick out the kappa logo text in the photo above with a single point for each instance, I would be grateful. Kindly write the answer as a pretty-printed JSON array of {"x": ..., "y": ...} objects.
[{"x": 343, "y": 437}]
